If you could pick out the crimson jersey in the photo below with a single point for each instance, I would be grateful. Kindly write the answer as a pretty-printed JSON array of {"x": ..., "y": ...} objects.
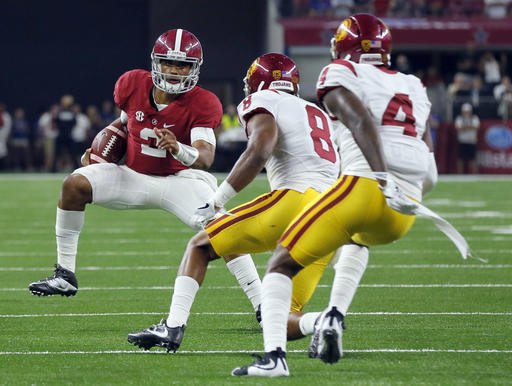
[{"x": 196, "y": 108}]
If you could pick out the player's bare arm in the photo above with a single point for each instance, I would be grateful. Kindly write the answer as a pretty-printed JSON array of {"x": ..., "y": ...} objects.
[
  {"x": 262, "y": 131},
  {"x": 206, "y": 154},
  {"x": 349, "y": 109}
]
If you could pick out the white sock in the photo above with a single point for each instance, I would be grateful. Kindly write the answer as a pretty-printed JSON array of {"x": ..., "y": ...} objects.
[
  {"x": 307, "y": 323},
  {"x": 276, "y": 299},
  {"x": 349, "y": 271},
  {"x": 68, "y": 225},
  {"x": 244, "y": 270},
  {"x": 185, "y": 290}
]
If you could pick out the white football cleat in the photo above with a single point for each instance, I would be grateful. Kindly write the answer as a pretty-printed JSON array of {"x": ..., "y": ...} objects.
[
  {"x": 272, "y": 364},
  {"x": 330, "y": 331}
]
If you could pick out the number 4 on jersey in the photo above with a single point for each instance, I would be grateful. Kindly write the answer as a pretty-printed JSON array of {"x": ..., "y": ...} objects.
[{"x": 399, "y": 113}]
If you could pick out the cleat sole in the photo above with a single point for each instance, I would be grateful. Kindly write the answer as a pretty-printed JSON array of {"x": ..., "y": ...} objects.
[{"x": 330, "y": 351}]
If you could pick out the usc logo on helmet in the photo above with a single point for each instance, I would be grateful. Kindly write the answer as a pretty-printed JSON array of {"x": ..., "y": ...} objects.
[
  {"x": 343, "y": 29},
  {"x": 366, "y": 45},
  {"x": 276, "y": 74}
]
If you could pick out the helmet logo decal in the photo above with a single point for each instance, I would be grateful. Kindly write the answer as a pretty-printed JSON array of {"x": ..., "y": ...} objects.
[
  {"x": 343, "y": 29},
  {"x": 139, "y": 116},
  {"x": 365, "y": 45},
  {"x": 276, "y": 74},
  {"x": 252, "y": 68}
]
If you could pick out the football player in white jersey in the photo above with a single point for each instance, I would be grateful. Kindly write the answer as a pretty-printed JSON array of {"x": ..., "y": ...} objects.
[
  {"x": 292, "y": 139},
  {"x": 386, "y": 155}
]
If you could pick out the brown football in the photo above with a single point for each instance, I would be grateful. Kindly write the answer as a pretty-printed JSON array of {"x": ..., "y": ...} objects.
[{"x": 109, "y": 145}]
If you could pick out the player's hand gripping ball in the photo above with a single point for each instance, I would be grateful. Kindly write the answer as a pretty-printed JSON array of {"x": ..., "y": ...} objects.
[{"x": 109, "y": 145}]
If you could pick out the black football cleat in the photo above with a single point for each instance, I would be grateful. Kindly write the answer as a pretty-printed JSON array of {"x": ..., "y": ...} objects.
[
  {"x": 271, "y": 364},
  {"x": 63, "y": 282},
  {"x": 158, "y": 335}
]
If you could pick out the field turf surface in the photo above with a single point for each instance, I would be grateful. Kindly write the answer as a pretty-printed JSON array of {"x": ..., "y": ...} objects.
[{"x": 422, "y": 314}]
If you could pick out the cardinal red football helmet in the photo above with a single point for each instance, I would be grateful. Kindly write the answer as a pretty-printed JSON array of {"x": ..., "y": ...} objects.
[
  {"x": 176, "y": 45},
  {"x": 272, "y": 71},
  {"x": 362, "y": 38}
]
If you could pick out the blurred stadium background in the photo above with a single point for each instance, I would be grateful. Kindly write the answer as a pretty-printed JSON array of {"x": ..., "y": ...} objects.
[{"x": 461, "y": 49}]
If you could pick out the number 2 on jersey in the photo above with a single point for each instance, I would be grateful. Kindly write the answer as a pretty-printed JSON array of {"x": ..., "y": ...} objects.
[
  {"x": 320, "y": 134},
  {"x": 406, "y": 119},
  {"x": 151, "y": 149}
]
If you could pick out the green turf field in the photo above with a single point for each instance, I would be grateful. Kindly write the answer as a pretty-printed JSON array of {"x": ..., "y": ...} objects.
[{"x": 421, "y": 316}]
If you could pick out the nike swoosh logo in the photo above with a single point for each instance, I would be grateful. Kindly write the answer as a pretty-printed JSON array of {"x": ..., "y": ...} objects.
[
  {"x": 61, "y": 284},
  {"x": 166, "y": 126},
  {"x": 248, "y": 284},
  {"x": 160, "y": 334},
  {"x": 268, "y": 366},
  {"x": 204, "y": 207}
]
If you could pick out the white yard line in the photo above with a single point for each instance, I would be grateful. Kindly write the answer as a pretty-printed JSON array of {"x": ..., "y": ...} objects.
[
  {"x": 181, "y": 352},
  {"x": 413, "y": 252},
  {"x": 160, "y": 288},
  {"x": 377, "y": 313},
  {"x": 220, "y": 266}
]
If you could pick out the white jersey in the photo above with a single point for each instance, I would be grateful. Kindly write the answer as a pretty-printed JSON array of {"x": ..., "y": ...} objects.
[
  {"x": 305, "y": 154},
  {"x": 400, "y": 108}
]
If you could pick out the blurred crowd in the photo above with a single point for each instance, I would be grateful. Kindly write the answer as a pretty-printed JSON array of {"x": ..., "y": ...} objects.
[
  {"x": 479, "y": 79},
  {"x": 398, "y": 8},
  {"x": 54, "y": 140}
]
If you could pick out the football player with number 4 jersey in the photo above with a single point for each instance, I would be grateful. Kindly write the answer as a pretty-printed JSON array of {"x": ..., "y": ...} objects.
[
  {"x": 170, "y": 124},
  {"x": 292, "y": 139},
  {"x": 386, "y": 163}
]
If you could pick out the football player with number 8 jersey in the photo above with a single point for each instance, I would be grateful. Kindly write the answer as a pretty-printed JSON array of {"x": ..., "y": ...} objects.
[
  {"x": 293, "y": 140},
  {"x": 386, "y": 163}
]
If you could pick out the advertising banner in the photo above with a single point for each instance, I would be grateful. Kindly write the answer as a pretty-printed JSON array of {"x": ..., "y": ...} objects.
[{"x": 494, "y": 154}]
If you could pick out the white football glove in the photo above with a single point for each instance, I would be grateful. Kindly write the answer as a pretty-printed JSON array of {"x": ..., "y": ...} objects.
[
  {"x": 395, "y": 198},
  {"x": 204, "y": 214}
]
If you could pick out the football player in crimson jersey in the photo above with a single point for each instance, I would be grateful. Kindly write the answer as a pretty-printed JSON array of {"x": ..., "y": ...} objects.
[
  {"x": 386, "y": 159},
  {"x": 169, "y": 122},
  {"x": 293, "y": 140}
]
